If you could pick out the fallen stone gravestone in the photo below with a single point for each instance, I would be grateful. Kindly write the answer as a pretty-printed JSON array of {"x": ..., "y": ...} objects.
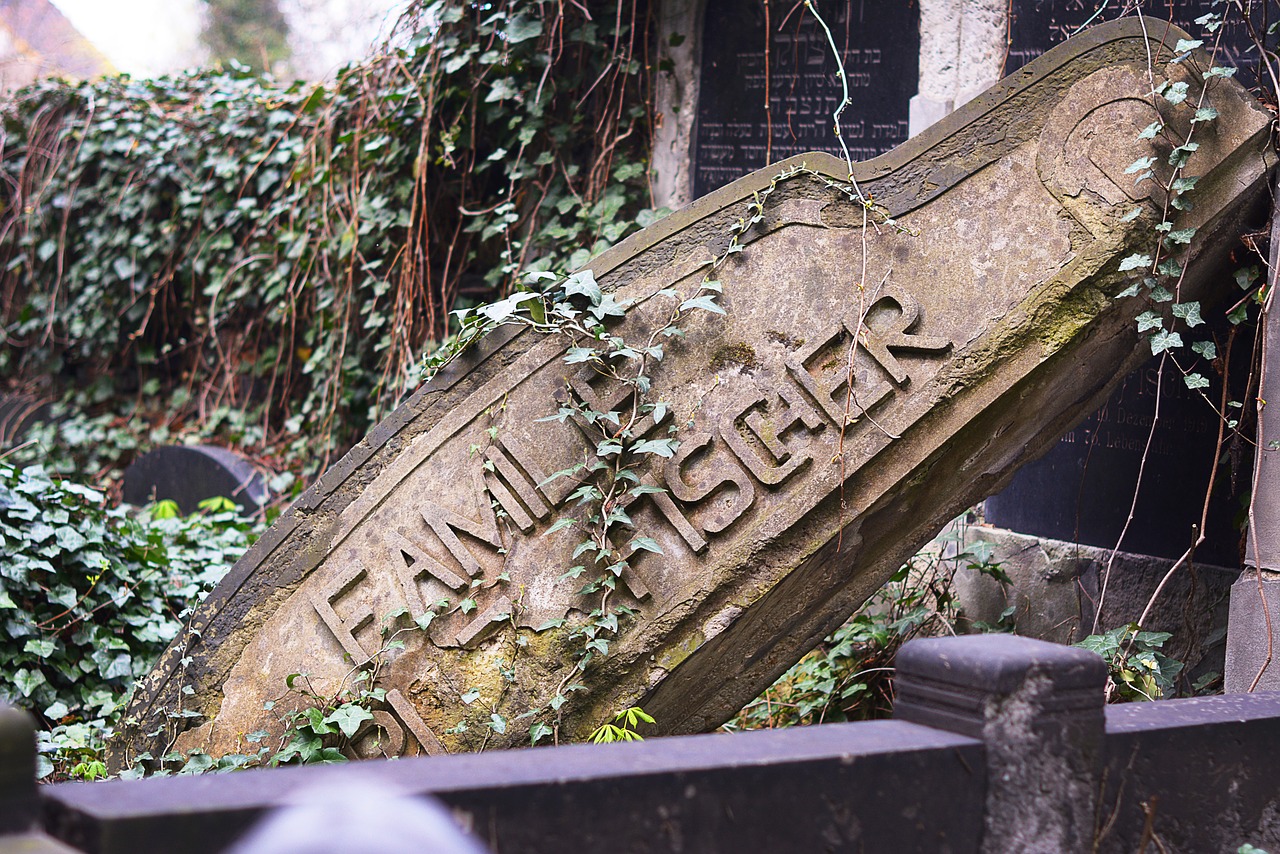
[{"x": 867, "y": 382}]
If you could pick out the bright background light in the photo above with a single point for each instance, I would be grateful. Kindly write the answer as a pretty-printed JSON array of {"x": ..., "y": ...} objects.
[{"x": 147, "y": 37}]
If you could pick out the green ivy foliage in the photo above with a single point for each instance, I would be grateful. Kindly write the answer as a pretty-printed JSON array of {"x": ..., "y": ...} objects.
[
  {"x": 90, "y": 597},
  {"x": 849, "y": 676},
  {"x": 291, "y": 251},
  {"x": 1137, "y": 667}
]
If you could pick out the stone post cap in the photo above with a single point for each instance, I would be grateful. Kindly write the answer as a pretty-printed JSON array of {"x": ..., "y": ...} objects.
[
  {"x": 17, "y": 770},
  {"x": 953, "y": 683}
]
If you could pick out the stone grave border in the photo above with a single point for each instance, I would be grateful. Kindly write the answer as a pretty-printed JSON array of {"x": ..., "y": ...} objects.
[{"x": 999, "y": 743}]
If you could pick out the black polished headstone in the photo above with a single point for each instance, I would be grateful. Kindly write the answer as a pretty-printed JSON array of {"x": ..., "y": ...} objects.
[
  {"x": 189, "y": 475},
  {"x": 879, "y": 42},
  {"x": 1082, "y": 490},
  {"x": 1037, "y": 25}
]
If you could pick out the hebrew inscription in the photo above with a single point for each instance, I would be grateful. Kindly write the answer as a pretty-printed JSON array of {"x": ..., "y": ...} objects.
[
  {"x": 867, "y": 383},
  {"x": 1038, "y": 25},
  {"x": 770, "y": 87}
]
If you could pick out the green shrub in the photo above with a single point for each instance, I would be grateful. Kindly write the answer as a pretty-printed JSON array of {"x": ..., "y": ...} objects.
[
  {"x": 283, "y": 253},
  {"x": 1138, "y": 670},
  {"x": 849, "y": 676},
  {"x": 89, "y": 596}
]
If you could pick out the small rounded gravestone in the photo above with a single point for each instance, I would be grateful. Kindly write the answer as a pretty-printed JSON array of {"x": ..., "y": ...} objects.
[
  {"x": 188, "y": 475},
  {"x": 17, "y": 413}
]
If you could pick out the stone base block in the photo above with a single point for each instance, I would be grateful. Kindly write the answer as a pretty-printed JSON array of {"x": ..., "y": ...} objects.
[
  {"x": 1246, "y": 653},
  {"x": 1057, "y": 589}
]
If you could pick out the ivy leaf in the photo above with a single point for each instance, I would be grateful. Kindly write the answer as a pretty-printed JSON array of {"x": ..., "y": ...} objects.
[
  {"x": 1131, "y": 291},
  {"x": 348, "y": 718},
  {"x": 522, "y": 28},
  {"x": 1185, "y": 46},
  {"x": 1246, "y": 276},
  {"x": 42, "y": 647},
  {"x": 560, "y": 525},
  {"x": 1189, "y": 312},
  {"x": 1149, "y": 320},
  {"x": 1175, "y": 93},
  {"x": 27, "y": 681},
  {"x": 505, "y": 89},
  {"x": 609, "y": 306},
  {"x": 1140, "y": 164},
  {"x": 665, "y": 448},
  {"x": 1165, "y": 340},
  {"x": 537, "y": 732},
  {"x": 576, "y": 355},
  {"x": 707, "y": 302},
  {"x": 1205, "y": 114},
  {"x": 1210, "y": 21},
  {"x": 1195, "y": 381},
  {"x": 471, "y": 696},
  {"x": 583, "y": 283},
  {"x": 1219, "y": 71},
  {"x": 1206, "y": 349},
  {"x": 647, "y": 544},
  {"x": 1181, "y": 236},
  {"x": 1137, "y": 261},
  {"x": 1149, "y": 132},
  {"x": 500, "y": 311},
  {"x": 1180, "y": 155}
]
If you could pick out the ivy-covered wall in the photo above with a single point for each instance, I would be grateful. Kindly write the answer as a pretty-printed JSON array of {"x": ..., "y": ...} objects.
[{"x": 267, "y": 263}]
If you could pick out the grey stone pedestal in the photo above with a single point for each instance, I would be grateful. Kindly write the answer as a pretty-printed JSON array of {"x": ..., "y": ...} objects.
[
  {"x": 1247, "y": 638},
  {"x": 1038, "y": 707}
]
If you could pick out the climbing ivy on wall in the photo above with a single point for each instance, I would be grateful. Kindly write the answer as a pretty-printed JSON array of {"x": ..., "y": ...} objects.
[{"x": 219, "y": 241}]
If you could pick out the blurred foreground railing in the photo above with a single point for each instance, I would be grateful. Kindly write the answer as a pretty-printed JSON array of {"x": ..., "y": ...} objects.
[{"x": 999, "y": 744}]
